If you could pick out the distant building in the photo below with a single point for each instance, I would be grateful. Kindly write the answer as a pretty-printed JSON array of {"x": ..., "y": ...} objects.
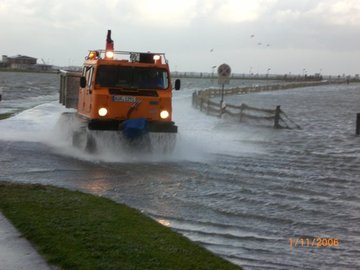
[
  {"x": 19, "y": 61},
  {"x": 23, "y": 62}
]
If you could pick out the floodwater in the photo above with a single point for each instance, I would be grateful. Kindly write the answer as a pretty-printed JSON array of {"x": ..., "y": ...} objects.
[{"x": 259, "y": 197}]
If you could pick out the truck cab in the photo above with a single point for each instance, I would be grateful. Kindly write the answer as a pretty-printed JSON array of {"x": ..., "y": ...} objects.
[{"x": 135, "y": 85}]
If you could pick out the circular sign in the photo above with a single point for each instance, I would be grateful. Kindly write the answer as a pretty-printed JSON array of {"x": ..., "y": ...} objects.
[{"x": 224, "y": 70}]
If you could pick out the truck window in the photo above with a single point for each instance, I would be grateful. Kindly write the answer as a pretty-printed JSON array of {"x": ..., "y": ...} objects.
[
  {"x": 89, "y": 76},
  {"x": 132, "y": 77},
  {"x": 87, "y": 72}
]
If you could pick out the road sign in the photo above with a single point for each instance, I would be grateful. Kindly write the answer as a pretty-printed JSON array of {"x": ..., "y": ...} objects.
[{"x": 224, "y": 72}]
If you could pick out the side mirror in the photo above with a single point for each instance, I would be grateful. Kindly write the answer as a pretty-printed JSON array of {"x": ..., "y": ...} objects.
[
  {"x": 177, "y": 84},
  {"x": 82, "y": 82}
]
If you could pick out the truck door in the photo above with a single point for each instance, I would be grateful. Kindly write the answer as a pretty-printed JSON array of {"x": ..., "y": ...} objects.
[{"x": 87, "y": 91}]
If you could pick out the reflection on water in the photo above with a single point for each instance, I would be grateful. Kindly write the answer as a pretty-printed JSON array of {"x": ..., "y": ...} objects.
[
  {"x": 97, "y": 183},
  {"x": 164, "y": 222}
]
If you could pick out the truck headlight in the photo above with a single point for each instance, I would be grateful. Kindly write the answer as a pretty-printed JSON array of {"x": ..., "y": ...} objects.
[
  {"x": 102, "y": 111},
  {"x": 164, "y": 114}
]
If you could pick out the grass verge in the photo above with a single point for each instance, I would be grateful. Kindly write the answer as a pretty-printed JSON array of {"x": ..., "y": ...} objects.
[
  {"x": 5, "y": 115},
  {"x": 79, "y": 231}
]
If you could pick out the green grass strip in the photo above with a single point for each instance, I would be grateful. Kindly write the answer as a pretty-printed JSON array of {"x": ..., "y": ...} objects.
[
  {"x": 75, "y": 230},
  {"x": 11, "y": 114},
  {"x": 6, "y": 115}
]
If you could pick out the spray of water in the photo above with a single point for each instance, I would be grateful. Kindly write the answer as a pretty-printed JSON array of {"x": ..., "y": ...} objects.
[{"x": 198, "y": 138}]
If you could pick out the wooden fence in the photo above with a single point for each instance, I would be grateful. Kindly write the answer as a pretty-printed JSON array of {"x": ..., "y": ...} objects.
[{"x": 202, "y": 100}]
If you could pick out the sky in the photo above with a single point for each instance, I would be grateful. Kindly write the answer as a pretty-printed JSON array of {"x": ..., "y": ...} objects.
[{"x": 252, "y": 36}]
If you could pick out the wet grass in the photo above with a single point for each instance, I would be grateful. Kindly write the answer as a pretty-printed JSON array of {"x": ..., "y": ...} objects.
[
  {"x": 6, "y": 115},
  {"x": 79, "y": 231}
]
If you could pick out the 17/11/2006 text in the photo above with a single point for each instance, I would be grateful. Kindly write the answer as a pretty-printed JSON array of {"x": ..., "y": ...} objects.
[{"x": 314, "y": 242}]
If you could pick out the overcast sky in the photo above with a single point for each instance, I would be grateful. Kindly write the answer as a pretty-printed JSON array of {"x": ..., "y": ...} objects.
[{"x": 279, "y": 36}]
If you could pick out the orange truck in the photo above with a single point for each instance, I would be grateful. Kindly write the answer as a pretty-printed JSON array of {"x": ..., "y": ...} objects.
[{"x": 128, "y": 92}]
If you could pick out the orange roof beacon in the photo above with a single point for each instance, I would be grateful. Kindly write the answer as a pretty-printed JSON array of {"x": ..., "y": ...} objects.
[{"x": 127, "y": 92}]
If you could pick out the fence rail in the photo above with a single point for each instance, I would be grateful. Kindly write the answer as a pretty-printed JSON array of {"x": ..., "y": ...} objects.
[
  {"x": 263, "y": 88},
  {"x": 202, "y": 100}
]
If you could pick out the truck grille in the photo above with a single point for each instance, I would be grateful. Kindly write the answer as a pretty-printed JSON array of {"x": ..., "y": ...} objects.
[{"x": 147, "y": 93}]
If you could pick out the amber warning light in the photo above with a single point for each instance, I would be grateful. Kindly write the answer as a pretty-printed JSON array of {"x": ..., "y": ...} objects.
[{"x": 93, "y": 55}]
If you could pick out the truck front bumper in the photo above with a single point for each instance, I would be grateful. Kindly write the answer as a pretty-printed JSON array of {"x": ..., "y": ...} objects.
[{"x": 149, "y": 126}]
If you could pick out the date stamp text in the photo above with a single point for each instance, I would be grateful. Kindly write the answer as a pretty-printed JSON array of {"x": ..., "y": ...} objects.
[{"x": 316, "y": 242}]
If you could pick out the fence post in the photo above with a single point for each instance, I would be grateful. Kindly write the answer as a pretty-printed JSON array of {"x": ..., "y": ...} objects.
[
  {"x": 222, "y": 96},
  {"x": 358, "y": 124},
  {"x": 277, "y": 117},
  {"x": 242, "y": 107}
]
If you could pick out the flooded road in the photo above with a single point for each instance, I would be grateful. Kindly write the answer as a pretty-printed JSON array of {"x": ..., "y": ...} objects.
[{"x": 241, "y": 191}]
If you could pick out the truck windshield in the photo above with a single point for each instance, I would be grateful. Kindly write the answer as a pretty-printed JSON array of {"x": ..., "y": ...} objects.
[{"x": 132, "y": 77}]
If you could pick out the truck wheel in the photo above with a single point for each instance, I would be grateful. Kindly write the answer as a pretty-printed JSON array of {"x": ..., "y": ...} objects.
[
  {"x": 90, "y": 146},
  {"x": 77, "y": 139}
]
